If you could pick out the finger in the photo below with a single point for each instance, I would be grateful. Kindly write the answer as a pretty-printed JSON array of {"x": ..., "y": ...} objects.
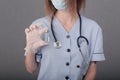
[
  {"x": 39, "y": 44},
  {"x": 27, "y": 30},
  {"x": 43, "y": 30},
  {"x": 38, "y": 24},
  {"x": 31, "y": 27},
  {"x": 35, "y": 26},
  {"x": 45, "y": 43}
]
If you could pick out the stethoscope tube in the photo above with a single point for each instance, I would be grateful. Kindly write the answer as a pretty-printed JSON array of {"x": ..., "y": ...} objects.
[
  {"x": 52, "y": 27},
  {"x": 80, "y": 30}
]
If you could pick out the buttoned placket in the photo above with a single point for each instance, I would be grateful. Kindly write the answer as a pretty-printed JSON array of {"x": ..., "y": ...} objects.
[
  {"x": 68, "y": 52},
  {"x": 67, "y": 45}
]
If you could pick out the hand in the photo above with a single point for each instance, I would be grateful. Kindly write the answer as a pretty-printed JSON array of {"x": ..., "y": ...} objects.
[{"x": 33, "y": 37}]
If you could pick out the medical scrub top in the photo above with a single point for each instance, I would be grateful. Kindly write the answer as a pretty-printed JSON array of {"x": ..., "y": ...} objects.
[{"x": 67, "y": 62}]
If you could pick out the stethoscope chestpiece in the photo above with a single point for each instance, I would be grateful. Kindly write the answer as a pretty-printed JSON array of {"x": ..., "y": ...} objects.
[{"x": 57, "y": 44}]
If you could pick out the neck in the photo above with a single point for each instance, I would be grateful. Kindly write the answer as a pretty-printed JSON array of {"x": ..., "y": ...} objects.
[
  {"x": 66, "y": 19},
  {"x": 65, "y": 16}
]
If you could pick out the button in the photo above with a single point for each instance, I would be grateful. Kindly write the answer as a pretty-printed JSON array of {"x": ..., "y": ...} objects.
[
  {"x": 68, "y": 36},
  {"x": 78, "y": 66},
  {"x": 66, "y": 77},
  {"x": 67, "y": 64},
  {"x": 68, "y": 50}
]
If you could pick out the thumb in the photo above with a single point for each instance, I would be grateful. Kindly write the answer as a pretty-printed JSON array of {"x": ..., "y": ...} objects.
[
  {"x": 39, "y": 44},
  {"x": 43, "y": 43}
]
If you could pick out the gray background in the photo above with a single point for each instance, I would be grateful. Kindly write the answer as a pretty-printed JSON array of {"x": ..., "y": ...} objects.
[{"x": 16, "y": 15}]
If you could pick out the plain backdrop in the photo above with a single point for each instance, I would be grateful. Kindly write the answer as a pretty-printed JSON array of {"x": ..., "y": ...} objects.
[{"x": 16, "y": 15}]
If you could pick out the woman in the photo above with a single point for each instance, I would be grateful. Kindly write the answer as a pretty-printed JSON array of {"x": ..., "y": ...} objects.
[{"x": 75, "y": 43}]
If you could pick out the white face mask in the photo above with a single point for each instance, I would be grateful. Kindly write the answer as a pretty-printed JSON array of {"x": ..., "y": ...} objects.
[{"x": 59, "y": 4}]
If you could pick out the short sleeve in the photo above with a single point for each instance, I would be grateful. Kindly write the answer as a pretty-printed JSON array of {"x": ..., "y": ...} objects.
[{"x": 98, "y": 53}]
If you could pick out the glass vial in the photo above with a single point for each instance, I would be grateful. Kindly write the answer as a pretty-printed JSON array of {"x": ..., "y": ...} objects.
[{"x": 46, "y": 36}]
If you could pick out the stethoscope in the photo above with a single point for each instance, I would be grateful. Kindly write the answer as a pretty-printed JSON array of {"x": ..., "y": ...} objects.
[
  {"x": 80, "y": 39},
  {"x": 57, "y": 44}
]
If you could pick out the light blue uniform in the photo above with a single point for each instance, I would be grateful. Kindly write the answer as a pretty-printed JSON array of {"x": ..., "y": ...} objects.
[{"x": 67, "y": 62}]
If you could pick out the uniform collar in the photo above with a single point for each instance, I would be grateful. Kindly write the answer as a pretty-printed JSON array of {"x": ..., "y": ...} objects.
[{"x": 58, "y": 26}]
